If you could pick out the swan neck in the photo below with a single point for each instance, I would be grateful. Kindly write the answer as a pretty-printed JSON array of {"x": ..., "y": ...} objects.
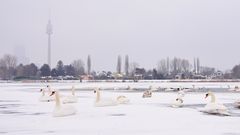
[
  {"x": 57, "y": 100},
  {"x": 98, "y": 96},
  {"x": 73, "y": 91},
  {"x": 43, "y": 93},
  {"x": 212, "y": 98}
]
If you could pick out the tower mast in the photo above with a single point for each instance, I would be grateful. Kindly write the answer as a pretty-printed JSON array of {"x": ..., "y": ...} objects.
[{"x": 49, "y": 33}]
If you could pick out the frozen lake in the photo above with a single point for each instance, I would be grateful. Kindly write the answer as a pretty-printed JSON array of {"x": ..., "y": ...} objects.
[{"x": 21, "y": 112}]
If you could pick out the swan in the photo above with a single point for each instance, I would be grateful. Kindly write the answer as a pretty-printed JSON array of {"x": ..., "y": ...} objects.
[
  {"x": 236, "y": 88},
  {"x": 178, "y": 102},
  {"x": 237, "y": 103},
  {"x": 215, "y": 108},
  {"x": 61, "y": 110},
  {"x": 70, "y": 99},
  {"x": 148, "y": 93},
  {"x": 169, "y": 89},
  {"x": 122, "y": 100},
  {"x": 103, "y": 102},
  {"x": 129, "y": 88},
  {"x": 44, "y": 97}
]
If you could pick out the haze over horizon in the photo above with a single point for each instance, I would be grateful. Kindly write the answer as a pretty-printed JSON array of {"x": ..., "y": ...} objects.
[{"x": 145, "y": 30}]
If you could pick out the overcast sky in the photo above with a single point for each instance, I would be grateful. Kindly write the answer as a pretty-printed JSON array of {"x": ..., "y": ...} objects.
[{"x": 146, "y": 30}]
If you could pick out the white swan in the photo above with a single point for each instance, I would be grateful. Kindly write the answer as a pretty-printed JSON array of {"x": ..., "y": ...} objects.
[
  {"x": 61, "y": 110},
  {"x": 44, "y": 97},
  {"x": 70, "y": 99},
  {"x": 122, "y": 100},
  {"x": 103, "y": 102},
  {"x": 178, "y": 102},
  {"x": 215, "y": 108},
  {"x": 237, "y": 103},
  {"x": 236, "y": 88},
  {"x": 169, "y": 89},
  {"x": 129, "y": 88},
  {"x": 148, "y": 93}
]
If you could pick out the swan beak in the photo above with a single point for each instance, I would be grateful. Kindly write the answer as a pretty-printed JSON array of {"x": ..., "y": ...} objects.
[
  {"x": 41, "y": 90},
  {"x": 206, "y": 96},
  {"x": 52, "y": 93},
  {"x": 95, "y": 91}
]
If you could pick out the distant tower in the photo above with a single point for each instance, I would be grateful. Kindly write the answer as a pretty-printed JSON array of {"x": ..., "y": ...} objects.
[{"x": 49, "y": 33}]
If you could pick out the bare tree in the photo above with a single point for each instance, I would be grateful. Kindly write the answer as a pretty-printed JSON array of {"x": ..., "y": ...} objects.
[
  {"x": 162, "y": 67},
  {"x": 194, "y": 68},
  {"x": 88, "y": 65},
  {"x": 168, "y": 65},
  {"x": 7, "y": 66},
  {"x": 78, "y": 66},
  {"x": 119, "y": 64},
  {"x": 126, "y": 65},
  {"x": 198, "y": 66},
  {"x": 185, "y": 65},
  {"x": 133, "y": 67}
]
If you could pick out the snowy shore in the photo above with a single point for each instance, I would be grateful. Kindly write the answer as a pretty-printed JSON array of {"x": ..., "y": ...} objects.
[{"x": 22, "y": 113}]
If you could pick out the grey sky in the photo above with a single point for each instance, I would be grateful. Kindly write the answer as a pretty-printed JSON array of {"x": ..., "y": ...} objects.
[{"x": 146, "y": 30}]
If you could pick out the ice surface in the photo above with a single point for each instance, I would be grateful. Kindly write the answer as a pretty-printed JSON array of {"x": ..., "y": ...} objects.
[{"x": 21, "y": 113}]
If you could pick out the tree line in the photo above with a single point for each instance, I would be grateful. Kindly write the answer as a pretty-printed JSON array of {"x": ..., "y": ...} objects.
[{"x": 165, "y": 69}]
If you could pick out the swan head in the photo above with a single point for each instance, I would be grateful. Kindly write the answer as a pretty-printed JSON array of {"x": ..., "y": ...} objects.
[
  {"x": 208, "y": 93},
  {"x": 53, "y": 92},
  {"x": 95, "y": 90},
  {"x": 179, "y": 99}
]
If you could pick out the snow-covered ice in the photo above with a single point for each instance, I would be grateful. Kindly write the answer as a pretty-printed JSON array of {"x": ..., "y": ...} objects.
[{"x": 22, "y": 113}]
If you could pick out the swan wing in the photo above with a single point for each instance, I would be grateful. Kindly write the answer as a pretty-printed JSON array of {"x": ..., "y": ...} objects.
[
  {"x": 64, "y": 111},
  {"x": 106, "y": 102}
]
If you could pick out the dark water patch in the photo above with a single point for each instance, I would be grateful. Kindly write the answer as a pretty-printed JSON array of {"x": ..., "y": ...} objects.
[
  {"x": 49, "y": 132},
  {"x": 9, "y": 100},
  {"x": 117, "y": 114},
  {"x": 193, "y": 106},
  {"x": 10, "y": 112},
  {"x": 231, "y": 134},
  {"x": 83, "y": 96}
]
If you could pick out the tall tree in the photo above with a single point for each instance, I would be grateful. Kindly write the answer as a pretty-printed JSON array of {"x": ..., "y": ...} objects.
[
  {"x": 133, "y": 67},
  {"x": 8, "y": 66},
  {"x": 20, "y": 70},
  {"x": 60, "y": 68},
  {"x": 54, "y": 72},
  {"x": 168, "y": 66},
  {"x": 69, "y": 70},
  {"x": 198, "y": 66},
  {"x": 45, "y": 70},
  {"x": 236, "y": 71},
  {"x": 119, "y": 64},
  {"x": 89, "y": 65},
  {"x": 30, "y": 70},
  {"x": 126, "y": 65},
  {"x": 194, "y": 67},
  {"x": 79, "y": 67},
  {"x": 162, "y": 67}
]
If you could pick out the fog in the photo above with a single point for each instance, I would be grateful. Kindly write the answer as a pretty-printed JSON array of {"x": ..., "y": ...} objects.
[{"x": 146, "y": 30}]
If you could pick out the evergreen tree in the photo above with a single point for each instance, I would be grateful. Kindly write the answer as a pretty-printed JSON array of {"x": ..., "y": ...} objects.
[
  {"x": 45, "y": 70},
  {"x": 60, "y": 68},
  {"x": 88, "y": 65},
  {"x": 126, "y": 65},
  {"x": 119, "y": 64}
]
